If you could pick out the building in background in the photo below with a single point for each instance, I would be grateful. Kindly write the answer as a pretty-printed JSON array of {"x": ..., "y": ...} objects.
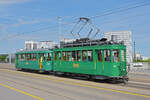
[
  {"x": 46, "y": 44},
  {"x": 66, "y": 40},
  {"x": 126, "y": 37},
  {"x": 31, "y": 45},
  {"x": 10, "y": 58},
  {"x": 138, "y": 56},
  {"x": 145, "y": 58}
]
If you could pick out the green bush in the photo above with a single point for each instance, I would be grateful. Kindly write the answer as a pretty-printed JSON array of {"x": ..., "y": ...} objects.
[
  {"x": 142, "y": 60},
  {"x": 3, "y": 58}
]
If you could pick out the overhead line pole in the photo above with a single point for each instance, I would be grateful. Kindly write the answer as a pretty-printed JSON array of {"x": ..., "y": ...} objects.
[
  {"x": 59, "y": 27},
  {"x": 134, "y": 51}
]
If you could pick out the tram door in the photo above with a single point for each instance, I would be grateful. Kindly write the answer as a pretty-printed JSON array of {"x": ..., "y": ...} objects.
[
  {"x": 99, "y": 65},
  {"x": 45, "y": 61},
  {"x": 41, "y": 59}
]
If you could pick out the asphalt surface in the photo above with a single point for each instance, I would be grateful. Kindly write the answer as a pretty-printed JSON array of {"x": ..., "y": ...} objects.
[
  {"x": 8, "y": 94},
  {"x": 18, "y": 85}
]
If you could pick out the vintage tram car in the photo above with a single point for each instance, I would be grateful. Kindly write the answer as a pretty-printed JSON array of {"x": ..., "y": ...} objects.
[{"x": 97, "y": 59}]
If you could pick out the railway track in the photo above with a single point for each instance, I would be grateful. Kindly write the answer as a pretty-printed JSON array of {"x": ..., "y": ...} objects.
[
  {"x": 135, "y": 83},
  {"x": 132, "y": 87},
  {"x": 139, "y": 85},
  {"x": 34, "y": 85}
]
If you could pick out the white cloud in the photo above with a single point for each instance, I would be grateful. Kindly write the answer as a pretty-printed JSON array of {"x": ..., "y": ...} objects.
[
  {"x": 13, "y": 1},
  {"x": 23, "y": 22}
]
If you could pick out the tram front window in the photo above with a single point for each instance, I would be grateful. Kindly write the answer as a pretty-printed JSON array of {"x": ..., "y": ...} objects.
[
  {"x": 90, "y": 55},
  {"x": 99, "y": 55},
  {"x": 107, "y": 55},
  {"x": 116, "y": 55},
  {"x": 122, "y": 55}
]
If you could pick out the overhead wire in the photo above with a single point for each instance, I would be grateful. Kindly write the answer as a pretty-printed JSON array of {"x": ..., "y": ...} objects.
[
  {"x": 41, "y": 29},
  {"x": 106, "y": 13},
  {"x": 121, "y": 9}
]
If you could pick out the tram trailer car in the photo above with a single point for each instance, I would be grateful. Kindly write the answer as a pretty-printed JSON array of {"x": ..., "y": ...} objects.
[
  {"x": 98, "y": 62},
  {"x": 40, "y": 60}
]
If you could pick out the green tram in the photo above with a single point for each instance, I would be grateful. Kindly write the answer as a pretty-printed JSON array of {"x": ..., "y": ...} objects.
[
  {"x": 95, "y": 59},
  {"x": 104, "y": 61},
  {"x": 40, "y": 60}
]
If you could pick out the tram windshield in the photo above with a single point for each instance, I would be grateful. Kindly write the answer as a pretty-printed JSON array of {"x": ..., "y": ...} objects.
[
  {"x": 99, "y": 55},
  {"x": 107, "y": 55},
  {"x": 116, "y": 55},
  {"x": 123, "y": 55}
]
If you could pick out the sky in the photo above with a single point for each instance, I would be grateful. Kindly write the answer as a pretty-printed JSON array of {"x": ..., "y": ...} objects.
[{"x": 37, "y": 20}]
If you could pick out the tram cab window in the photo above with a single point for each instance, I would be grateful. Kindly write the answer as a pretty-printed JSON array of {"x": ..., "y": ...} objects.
[
  {"x": 107, "y": 55},
  {"x": 78, "y": 55},
  {"x": 64, "y": 56},
  {"x": 49, "y": 57},
  {"x": 116, "y": 55},
  {"x": 68, "y": 58},
  {"x": 90, "y": 55},
  {"x": 122, "y": 55},
  {"x": 83, "y": 55},
  {"x": 73, "y": 55},
  {"x": 99, "y": 55}
]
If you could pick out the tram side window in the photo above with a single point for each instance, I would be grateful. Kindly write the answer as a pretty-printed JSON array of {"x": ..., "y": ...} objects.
[
  {"x": 78, "y": 55},
  {"x": 73, "y": 55},
  {"x": 59, "y": 55},
  {"x": 122, "y": 55},
  {"x": 25, "y": 56},
  {"x": 28, "y": 56},
  {"x": 68, "y": 58},
  {"x": 55, "y": 55},
  {"x": 64, "y": 56},
  {"x": 33, "y": 57},
  {"x": 90, "y": 55},
  {"x": 99, "y": 55},
  {"x": 107, "y": 55},
  {"x": 22, "y": 56},
  {"x": 19, "y": 56},
  {"x": 83, "y": 55},
  {"x": 116, "y": 55},
  {"x": 49, "y": 57}
]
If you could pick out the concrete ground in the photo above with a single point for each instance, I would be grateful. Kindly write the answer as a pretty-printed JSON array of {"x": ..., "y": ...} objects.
[{"x": 18, "y": 85}]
